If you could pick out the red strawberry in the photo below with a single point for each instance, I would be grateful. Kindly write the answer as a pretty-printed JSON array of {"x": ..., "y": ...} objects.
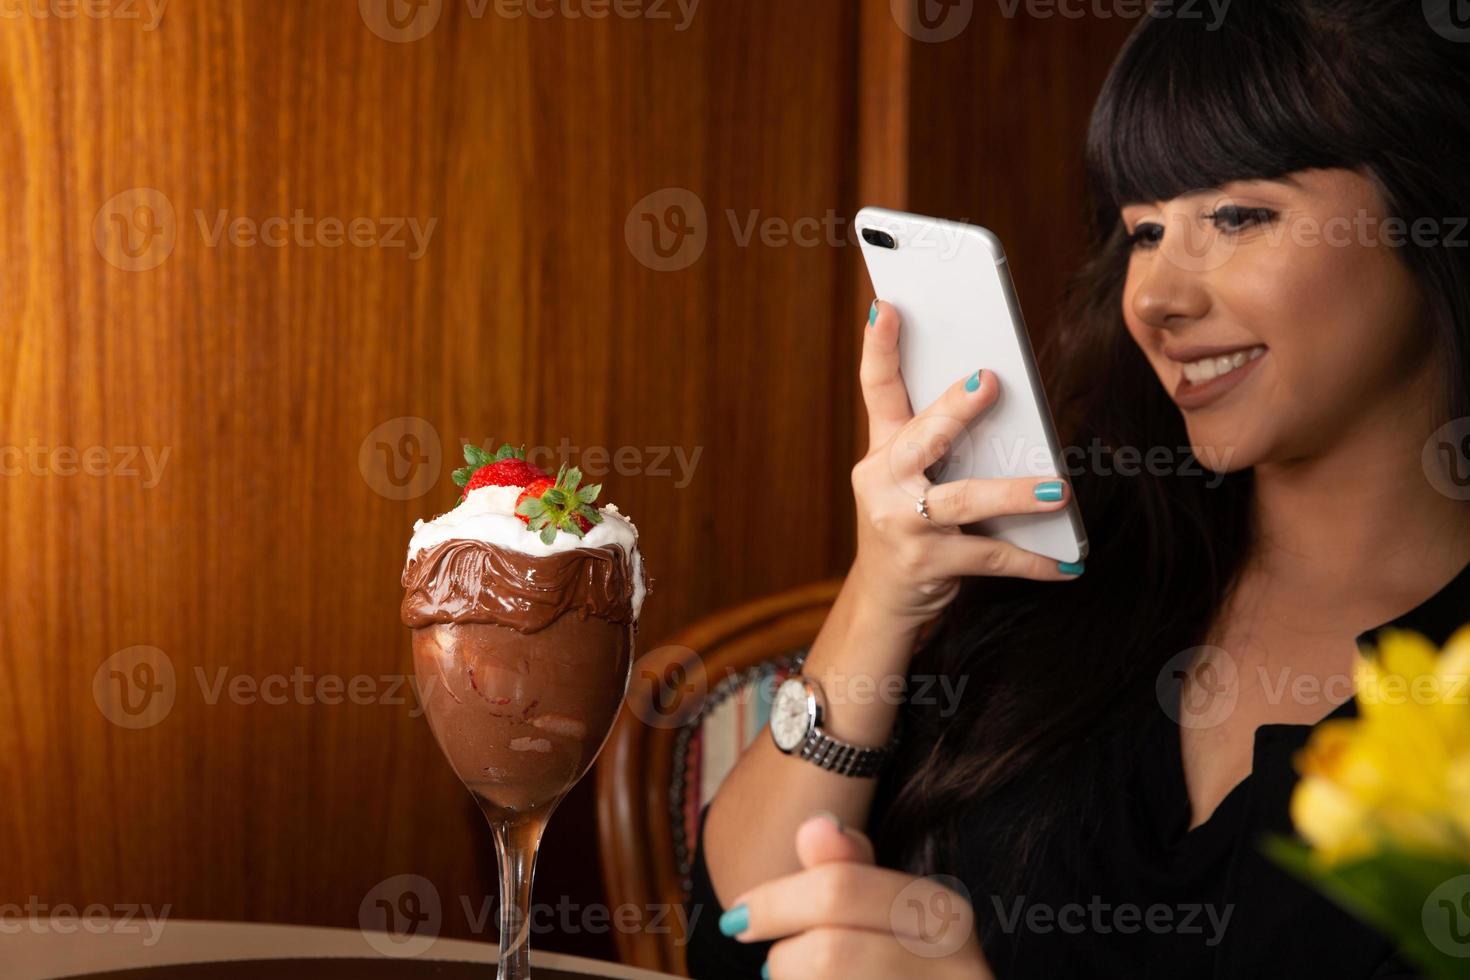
[
  {"x": 510, "y": 472},
  {"x": 549, "y": 505},
  {"x": 507, "y": 467}
]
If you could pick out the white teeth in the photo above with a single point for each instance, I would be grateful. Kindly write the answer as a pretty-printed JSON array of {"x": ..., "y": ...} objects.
[{"x": 1209, "y": 368}]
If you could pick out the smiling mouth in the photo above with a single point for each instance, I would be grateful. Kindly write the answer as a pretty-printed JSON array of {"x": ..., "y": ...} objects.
[
  {"x": 1208, "y": 379},
  {"x": 1209, "y": 368}
]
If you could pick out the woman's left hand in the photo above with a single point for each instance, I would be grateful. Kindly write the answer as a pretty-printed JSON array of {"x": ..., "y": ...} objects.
[{"x": 842, "y": 916}]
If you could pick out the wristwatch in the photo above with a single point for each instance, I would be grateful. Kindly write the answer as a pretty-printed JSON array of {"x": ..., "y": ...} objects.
[{"x": 797, "y": 712}]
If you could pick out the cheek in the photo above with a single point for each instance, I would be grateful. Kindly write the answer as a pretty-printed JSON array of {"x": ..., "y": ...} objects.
[{"x": 1336, "y": 318}]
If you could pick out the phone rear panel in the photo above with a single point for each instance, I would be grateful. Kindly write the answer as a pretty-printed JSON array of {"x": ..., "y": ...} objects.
[{"x": 952, "y": 288}]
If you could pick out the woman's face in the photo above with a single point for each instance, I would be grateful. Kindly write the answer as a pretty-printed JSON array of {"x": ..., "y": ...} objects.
[{"x": 1276, "y": 313}]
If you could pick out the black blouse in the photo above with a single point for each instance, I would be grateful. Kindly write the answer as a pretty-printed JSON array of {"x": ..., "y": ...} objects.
[{"x": 1143, "y": 895}]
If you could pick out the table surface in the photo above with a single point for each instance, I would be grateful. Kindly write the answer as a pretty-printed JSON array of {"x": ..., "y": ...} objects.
[{"x": 42, "y": 949}]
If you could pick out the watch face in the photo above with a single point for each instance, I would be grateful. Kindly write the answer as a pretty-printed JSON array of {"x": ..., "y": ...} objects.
[{"x": 789, "y": 716}]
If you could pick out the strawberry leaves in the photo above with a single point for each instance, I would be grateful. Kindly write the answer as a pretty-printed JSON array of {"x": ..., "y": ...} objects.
[
  {"x": 546, "y": 505},
  {"x": 549, "y": 506}
]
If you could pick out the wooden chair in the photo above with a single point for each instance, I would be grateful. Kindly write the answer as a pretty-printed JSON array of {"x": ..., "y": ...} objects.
[{"x": 693, "y": 704}]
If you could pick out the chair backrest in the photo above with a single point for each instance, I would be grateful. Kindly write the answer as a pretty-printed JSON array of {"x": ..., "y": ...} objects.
[{"x": 693, "y": 704}]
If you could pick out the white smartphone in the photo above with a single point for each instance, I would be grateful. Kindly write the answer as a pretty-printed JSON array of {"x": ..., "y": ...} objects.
[{"x": 951, "y": 286}]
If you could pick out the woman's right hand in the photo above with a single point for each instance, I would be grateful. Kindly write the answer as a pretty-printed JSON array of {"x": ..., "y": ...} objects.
[{"x": 907, "y": 566}]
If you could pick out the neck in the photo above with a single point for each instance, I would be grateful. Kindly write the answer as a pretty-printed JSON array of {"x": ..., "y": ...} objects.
[{"x": 1361, "y": 523}]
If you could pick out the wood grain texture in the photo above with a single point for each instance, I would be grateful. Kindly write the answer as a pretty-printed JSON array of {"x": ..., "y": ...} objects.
[
  {"x": 264, "y": 551},
  {"x": 261, "y": 546}
]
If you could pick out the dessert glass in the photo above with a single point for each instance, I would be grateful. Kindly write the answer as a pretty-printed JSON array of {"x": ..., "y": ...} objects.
[{"x": 522, "y": 662}]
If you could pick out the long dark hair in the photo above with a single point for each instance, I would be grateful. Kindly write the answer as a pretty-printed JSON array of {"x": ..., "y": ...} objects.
[{"x": 1055, "y": 670}]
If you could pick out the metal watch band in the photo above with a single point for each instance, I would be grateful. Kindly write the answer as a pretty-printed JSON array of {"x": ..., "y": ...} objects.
[{"x": 842, "y": 758}]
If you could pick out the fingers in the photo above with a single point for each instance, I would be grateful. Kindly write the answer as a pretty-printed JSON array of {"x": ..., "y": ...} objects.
[
  {"x": 843, "y": 894},
  {"x": 883, "y": 391},
  {"x": 822, "y": 840},
  {"x": 963, "y": 502},
  {"x": 960, "y": 502},
  {"x": 927, "y": 438},
  {"x": 959, "y": 555}
]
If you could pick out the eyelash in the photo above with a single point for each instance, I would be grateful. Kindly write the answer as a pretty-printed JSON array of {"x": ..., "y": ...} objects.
[{"x": 1242, "y": 218}]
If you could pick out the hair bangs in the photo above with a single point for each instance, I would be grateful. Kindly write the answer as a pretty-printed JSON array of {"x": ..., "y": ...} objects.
[{"x": 1187, "y": 108}]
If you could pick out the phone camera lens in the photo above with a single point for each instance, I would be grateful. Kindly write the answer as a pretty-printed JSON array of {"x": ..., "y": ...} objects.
[{"x": 879, "y": 238}]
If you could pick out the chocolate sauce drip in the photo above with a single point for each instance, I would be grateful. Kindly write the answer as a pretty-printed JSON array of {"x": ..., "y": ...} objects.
[{"x": 465, "y": 581}]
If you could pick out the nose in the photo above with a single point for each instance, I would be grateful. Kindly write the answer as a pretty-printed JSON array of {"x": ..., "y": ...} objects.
[{"x": 1169, "y": 293}]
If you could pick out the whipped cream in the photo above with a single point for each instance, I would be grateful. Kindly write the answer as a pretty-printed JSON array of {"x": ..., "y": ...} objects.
[{"x": 488, "y": 514}]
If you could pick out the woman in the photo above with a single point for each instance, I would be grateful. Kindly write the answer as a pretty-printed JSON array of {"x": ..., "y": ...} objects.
[{"x": 1255, "y": 291}]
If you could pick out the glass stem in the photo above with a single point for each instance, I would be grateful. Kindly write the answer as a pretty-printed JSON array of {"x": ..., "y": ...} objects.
[{"x": 517, "y": 839}]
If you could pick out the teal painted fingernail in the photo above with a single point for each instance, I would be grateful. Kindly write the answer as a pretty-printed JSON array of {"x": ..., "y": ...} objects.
[
  {"x": 1069, "y": 567},
  {"x": 735, "y": 921},
  {"x": 765, "y": 971},
  {"x": 873, "y": 313},
  {"x": 1049, "y": 491},
  {"x": 973, "y": 384}
]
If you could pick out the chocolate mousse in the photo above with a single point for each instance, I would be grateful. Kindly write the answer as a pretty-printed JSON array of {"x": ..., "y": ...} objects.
[
  {"x": 521, "y": 663},
  {"x": 523, "y": 639}
]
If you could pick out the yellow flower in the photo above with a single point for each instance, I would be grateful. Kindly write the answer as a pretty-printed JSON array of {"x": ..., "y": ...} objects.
[{"x": 1399, "y": 774}]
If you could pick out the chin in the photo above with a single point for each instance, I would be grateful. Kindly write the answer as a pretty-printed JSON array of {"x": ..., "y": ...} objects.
[{"x": 1221, "y": 450}]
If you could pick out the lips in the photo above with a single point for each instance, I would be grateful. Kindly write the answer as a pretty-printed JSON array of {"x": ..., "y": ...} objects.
[
  {"x": 1209, "y": 373},
  {"x": 1194, "y": 352}
]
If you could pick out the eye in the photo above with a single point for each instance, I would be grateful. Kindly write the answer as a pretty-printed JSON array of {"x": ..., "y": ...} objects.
[
  {"x": 1146, "y": 235},
  {"x": 1232, "y": 218}
]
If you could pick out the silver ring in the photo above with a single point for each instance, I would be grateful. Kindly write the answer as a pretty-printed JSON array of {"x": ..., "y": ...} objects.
[{"x": 921, "y": 507}]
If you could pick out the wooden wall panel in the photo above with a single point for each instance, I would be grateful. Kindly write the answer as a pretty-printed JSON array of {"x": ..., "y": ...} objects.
[{"x": 264, "y": 550}]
